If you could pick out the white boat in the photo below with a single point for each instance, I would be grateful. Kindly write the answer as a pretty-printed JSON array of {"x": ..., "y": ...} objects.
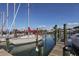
[
  {"x": 75, "y": 43},
  {"x": 23, "y": 43},
  {"x": 75, "y": 39}
]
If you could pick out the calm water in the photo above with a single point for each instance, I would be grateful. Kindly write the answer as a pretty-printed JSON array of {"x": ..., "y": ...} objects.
[{"x": 48, "y": 44}]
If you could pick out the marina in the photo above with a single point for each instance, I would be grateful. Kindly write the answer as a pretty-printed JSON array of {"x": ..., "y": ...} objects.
[{"x": 35, "y": 39}]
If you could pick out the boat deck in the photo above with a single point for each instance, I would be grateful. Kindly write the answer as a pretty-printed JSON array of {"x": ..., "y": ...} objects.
[{"x": 23, "y": 39}]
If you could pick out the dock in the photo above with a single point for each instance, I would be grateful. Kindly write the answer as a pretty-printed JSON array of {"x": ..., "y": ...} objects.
[
  {"x": 58, "y": 49},
  {"x": 4, "y": 53}
]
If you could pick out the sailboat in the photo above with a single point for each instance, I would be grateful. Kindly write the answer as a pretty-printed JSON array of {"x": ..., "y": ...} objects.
[{"x": 24, "y": 42}]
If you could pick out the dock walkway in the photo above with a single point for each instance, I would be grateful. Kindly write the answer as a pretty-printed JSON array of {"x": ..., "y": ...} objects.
[
  {"x": 4, "y": 53},
  {"x": 58, "y": 49}
]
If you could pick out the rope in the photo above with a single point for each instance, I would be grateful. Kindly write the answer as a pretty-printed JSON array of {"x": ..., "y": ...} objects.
[{"x": 15, "y": 17}]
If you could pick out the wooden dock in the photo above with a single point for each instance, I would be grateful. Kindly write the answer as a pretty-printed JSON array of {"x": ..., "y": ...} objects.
[
  {"x": 58, "y": 49},
  {"x": 4, "y": 53}
]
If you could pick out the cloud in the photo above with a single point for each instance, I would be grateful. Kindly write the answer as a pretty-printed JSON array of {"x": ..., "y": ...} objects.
[
  {"x": 75, "y": 23},
  {"x": 42, "y": 26},
  {"x": 71, "y": 25}
]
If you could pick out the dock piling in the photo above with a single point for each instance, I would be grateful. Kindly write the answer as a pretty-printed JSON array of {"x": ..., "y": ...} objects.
[
  {"x": 37, "y": 45},
  {"x": 15, "y": 32},
  {"x": 7, "y": 44},
  {"x": 65, "y": 40},
  {"x": 59, "y": 35},
  {"x": 65, "y": 34},
  {"x": 55, "y": 33},
  {"x": 44, "y": 44}
]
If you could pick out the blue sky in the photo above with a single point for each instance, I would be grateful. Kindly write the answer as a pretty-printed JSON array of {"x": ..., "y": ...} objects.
[{"x": 42, "y": 14}]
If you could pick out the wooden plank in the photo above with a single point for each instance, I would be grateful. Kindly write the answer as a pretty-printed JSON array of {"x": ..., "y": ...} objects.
[
  {"x": 58, "y": 50},
  {"x": 4, "y": 53}
]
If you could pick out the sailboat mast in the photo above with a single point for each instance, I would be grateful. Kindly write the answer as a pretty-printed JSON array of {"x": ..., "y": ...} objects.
[
  {"x": 28, "y": 15},
  {"x": 14, "y": 14},
  {"x": 28, "y": 20},
  {"x": 7, "y": 16},
  {"x": 2, "y": 23}
]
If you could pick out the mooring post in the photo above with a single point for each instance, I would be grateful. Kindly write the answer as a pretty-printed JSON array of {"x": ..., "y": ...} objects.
[
  {"x": 15, "y": 33},
  {"x": 65, "y": 34},
  {"x": 7, "y": 44},
  {"x": 65, "y": 40},
  {"x": 44, "y": 47},
  {"x": 55, "y": 33},
  {"x": 37, "y": 45},
  {"x": 59, "y": 34}
]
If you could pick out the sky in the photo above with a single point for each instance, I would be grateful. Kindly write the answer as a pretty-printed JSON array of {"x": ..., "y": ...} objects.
[{"x": 43, "y": 14}]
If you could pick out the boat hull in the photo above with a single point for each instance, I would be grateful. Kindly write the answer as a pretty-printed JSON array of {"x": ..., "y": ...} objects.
[{"x": 23, "y": 47}]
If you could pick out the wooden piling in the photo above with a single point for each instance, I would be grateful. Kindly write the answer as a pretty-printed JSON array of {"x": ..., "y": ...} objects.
[
  {"x": 65, "y": 34},
  {"x": 7, "y": 44},
  {"x": 59, "y": 34},
  {"x": 42, "y": 50},
  {"x": 65, "y": 40},
  {"x": 37, "y": 38},
  {"x": 15, "y": 32},
  {"x": 44, "y": 47},
  {"x": 37, "y": 45},
  {"x": 55, "y": 33}
]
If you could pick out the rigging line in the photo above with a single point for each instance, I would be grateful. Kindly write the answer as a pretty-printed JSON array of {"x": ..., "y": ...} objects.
[{"x": 15, "y": 16}]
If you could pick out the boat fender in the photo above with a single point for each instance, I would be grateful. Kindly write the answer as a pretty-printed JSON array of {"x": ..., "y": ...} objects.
[
  {"x": 37, "y": 49},
  {"x": 11, "y": 47}
]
